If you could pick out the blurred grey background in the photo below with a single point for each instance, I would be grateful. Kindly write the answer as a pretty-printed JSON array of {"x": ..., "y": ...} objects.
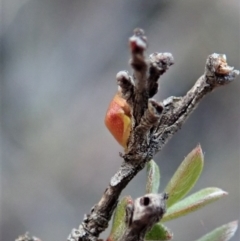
[{"x": 59, "y": 61}]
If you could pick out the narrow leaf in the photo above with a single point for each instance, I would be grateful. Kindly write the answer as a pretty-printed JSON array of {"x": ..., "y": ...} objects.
[
  {"x": 223, "y": 233},
  {"x": 193, "y": 202},
  {"x": 153, "y": 177},
  {"x": 185, "y": 177},
  {"x": 159, "y": 232},
  {"x": 118, "y": 225}
]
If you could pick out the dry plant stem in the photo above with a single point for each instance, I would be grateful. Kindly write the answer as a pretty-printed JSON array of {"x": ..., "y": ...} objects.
[
  {"x": 177, "y": 109},
  {"x": 153, "y": 123}
]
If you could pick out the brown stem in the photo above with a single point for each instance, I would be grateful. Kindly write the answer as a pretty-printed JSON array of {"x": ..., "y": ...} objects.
[{"x": 142, "y": 145}]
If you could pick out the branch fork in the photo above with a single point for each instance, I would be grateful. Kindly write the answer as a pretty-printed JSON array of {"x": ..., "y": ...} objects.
[{"x": 153, "y": 124}]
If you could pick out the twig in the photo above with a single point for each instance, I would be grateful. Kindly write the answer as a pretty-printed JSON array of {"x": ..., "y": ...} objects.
[{"x": 148, "y": 137}]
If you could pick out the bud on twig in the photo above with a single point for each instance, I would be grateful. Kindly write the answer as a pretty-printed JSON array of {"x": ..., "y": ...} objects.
[{"x": 143, "y": 214}]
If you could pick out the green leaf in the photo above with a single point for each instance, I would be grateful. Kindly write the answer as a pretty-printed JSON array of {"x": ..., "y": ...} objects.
[
  {"x": 159, "y": 232},
  {"x": 153, "y": 177},
  {"x": 193, "y": 202},
  {"x": 118, "y": 225},
  {"x": 185, "y": 177},
  {"x": 223, "y": 233}
]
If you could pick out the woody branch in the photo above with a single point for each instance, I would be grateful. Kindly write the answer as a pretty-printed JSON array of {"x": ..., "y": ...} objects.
[{"x": 153, "y": 123}]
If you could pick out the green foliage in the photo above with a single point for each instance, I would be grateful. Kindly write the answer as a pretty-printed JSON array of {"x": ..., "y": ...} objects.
[
  {"x": 223, "y": 233},
  {"x": 185, "y": 177},
  {"x": 159, "y": 232},
  {"x": 153, "y": 177},
  {"x": 193, "y": 202},
  {"x": 180, "y": 184},
  {"x": 119, "y": 225}
]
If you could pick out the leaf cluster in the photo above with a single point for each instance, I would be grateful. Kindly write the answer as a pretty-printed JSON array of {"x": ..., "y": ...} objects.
[{"x": 178, "y": 203}]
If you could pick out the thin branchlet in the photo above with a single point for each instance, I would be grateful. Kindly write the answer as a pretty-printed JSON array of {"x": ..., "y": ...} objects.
[
  {"x": 159, "y": 63},
  {"x": 153, "y": 124}
]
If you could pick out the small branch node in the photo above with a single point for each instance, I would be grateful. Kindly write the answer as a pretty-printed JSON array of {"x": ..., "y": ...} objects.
[
  {"x": 125, "y": 86},
  {"x": 142, "y": 214},
  {"x": 149, "y": 119},
  {"x": 217, "y": 71},
  {"x": 138, "y": 42},
  {"x": 155, "y": 108},
  {"x": 159, "y": 64}
]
